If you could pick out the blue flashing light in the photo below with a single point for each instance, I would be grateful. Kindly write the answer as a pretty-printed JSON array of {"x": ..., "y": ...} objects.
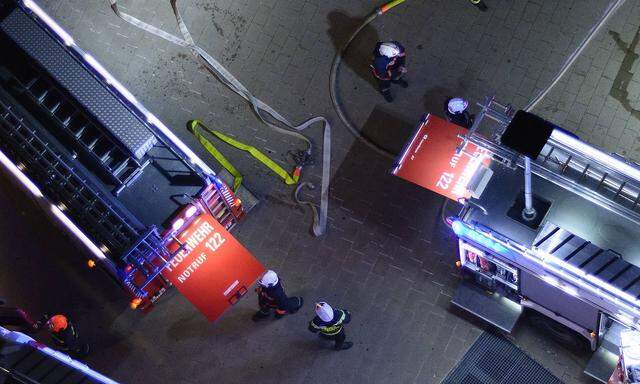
[
  {"x": 462, "y": 230},
  {"x": 458, "y": 228}
]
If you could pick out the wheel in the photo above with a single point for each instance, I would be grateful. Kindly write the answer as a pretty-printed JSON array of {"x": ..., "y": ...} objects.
[{"x": 558, "y": 332}]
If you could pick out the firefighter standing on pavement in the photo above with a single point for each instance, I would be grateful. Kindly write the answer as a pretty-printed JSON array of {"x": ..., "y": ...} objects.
[
  {"x": 65, "y": 336},
  {"x": 330, "y": 323},
  {"x": 271, "y": 296},
  {"x": 389, "y": 66}
]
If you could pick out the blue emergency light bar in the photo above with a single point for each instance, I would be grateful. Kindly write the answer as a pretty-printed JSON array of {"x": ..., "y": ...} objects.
[{"x": 463, "y": 230}]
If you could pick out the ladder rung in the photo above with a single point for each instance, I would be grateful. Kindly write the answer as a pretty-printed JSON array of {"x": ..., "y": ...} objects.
[
  {"x": 106, "y": 156},
  {"x": 120, "y": 167},
  {"x": 620, "y": 189},
  {"x": 584, "y": 173},
  {"x": 93, "y": 143},
  {"x": 566, "y": 163},
  {"x": 78, "y": 134},
  {"x": 548, "y": 155},
  {"x": 66, "y": 120},
  {"x": 55, "y": 107},
  {"x": 604, "y": 176},
  {"x": 43, "y": 95}
]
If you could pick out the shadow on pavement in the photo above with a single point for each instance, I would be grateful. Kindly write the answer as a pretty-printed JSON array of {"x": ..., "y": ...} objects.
[
  {"x": 402, "y": 220},
  {"x": 434, "y": 99},
  {"x": 387, "y": 129},
  {"x": 359, "y": 54}
]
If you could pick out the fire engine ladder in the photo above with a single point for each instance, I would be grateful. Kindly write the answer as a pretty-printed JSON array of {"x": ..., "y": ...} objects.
[
  {"x": 117, "y": 165},
  {"x": 585, "y": 173},
  {"x": 150, "y": 256},
  {"x": 63, "y": 184},
  {"x": 580, "y": 172}
]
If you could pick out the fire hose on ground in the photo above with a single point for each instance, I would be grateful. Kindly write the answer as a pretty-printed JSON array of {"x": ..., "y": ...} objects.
[{"x": 264, "y": 112}]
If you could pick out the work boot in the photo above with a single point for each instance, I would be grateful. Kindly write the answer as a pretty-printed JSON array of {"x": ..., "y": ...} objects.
[
  {"x": 300, "y": 303},
  {"x": 345, "y": 345},
  {"x": 403, "y": 83},
  {"x": 387, "y": 97},
  {"x": 259, "y": 316}
]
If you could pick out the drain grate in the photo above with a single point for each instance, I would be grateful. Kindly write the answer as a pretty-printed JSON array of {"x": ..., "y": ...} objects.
[{"x": 494, "y": 360}]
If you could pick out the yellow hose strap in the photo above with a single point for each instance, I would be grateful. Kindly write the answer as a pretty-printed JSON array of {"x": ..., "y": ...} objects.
[
  {"x": 237, "y": 177},
  {"x": 253, "y": 151}
]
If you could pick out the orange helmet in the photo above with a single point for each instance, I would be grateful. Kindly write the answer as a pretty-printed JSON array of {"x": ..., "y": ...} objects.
[{"x": 57, "y": 323}]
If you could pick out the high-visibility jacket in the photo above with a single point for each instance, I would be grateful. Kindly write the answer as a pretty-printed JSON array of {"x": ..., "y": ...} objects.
[
  {"x": 333, "y": 327},
  {"x": 66, "y": 338}
]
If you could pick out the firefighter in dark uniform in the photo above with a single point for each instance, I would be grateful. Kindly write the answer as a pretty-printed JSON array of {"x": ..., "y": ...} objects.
[
  {"x": 330, "y": 324},
  {"x": 271, "y": 296},
  {"x": 389, "y": 66},
  {"x": 65, "y": 336},
  {"x": 456, "y": 111}
]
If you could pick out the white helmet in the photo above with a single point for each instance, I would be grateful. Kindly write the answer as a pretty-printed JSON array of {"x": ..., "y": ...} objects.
[
  {"x": 269, "y": 279},
  {"x": 457, "y": 105},
  {"x": 324, "y": 311},
  {"x": 389, "y": 50}
]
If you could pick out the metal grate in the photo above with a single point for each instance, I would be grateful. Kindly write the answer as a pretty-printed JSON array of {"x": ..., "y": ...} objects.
[{"x": 494, "y": 360}]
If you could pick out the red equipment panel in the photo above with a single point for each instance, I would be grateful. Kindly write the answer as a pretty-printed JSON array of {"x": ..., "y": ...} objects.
[
  {"x": 213, "y": 270},
  {"x": 430, "y": 159}
]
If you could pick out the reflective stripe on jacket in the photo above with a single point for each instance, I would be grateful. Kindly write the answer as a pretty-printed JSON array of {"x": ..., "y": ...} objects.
[{"x": 331, "y": 328}]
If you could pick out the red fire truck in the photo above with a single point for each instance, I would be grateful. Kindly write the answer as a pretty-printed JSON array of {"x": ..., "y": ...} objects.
[
  {"x": 547, "y": 223},
  {"x": 150, "y": 212}
]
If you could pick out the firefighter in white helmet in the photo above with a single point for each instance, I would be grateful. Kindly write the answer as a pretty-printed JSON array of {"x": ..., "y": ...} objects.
[
  {"x": 330, "y": 323},
  {"x": 271, "y": 297},
  {"x": 388, "y": 67},
  {"x": 456, "y": 110}
]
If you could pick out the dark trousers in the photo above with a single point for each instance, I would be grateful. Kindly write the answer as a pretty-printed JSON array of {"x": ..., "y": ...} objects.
[
  {"x": 385, "y": 85},
  {"x": 265, "y": 311},
  {"x": 338, "y": 338},
  {"x": 292, "y": 305}
]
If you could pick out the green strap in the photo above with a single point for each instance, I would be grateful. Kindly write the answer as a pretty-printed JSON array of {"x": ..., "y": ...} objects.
[
  {"x": 237, "y": 177},
  {"x": 253, "y": 151}
]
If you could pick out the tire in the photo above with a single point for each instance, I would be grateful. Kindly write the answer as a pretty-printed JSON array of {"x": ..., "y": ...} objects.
[{"x": 558, "y": 332}]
